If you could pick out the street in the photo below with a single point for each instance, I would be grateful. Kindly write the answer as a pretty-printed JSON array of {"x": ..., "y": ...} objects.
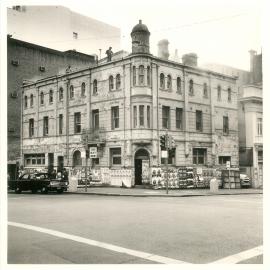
[{"x": 91, "y": 229}]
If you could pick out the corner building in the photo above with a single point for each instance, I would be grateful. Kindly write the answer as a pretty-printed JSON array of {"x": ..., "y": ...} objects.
[{"x": 122, "y": 107}]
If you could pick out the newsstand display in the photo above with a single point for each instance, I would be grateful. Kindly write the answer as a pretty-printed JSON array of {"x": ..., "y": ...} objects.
[{"x": 184, "y": 177}]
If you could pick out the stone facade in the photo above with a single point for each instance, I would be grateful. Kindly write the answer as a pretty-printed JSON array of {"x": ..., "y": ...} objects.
[{"x": 128, "y": 104}]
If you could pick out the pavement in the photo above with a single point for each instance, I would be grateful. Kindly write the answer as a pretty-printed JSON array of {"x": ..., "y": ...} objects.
[{"x": 147, "y": 192}]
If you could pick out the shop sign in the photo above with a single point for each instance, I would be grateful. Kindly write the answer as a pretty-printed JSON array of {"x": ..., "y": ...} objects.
[
  {"x": 93, "y": 152},
  {"x": 228, "y": 164}
]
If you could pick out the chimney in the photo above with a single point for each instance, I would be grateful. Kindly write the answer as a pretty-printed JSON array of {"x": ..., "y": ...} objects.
[
  {"x": 163, "y": 51},
  {"x": 176, "y": 57},
  {"x": 252, "y": 53},
  {"x": 190, "y": 59}
]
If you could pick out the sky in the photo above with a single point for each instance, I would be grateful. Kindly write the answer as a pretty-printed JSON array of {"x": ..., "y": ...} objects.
[{"x": 218, "y": 31}]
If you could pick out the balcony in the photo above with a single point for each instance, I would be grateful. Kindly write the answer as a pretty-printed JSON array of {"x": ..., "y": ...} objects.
[{"x": 93, "y": 135}]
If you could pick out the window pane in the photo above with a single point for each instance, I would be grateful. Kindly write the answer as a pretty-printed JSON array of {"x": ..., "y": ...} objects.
[
  {"x": 148, "y": 116},
  {"x": 141, "y": 111},
  {"x": 135, "y": 116}
]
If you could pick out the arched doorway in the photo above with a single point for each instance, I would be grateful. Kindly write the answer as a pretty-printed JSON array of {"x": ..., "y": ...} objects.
[
  {"x": 141, "y": 157},
  {"x": 77, "y": 159}
]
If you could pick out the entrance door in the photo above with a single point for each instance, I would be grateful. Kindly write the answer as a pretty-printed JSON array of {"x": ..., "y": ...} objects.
[
  {"x": 138, "y": 171},
  {"x": 60, "y": 163},
  {"x": 140, "y": 156},
  {"x": 50, "y": 162}
]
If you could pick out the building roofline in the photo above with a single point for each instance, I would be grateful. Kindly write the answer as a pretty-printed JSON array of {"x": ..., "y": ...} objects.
[
  {"x": 42, "y": 48},
  {"x": 135, "y": 55}
]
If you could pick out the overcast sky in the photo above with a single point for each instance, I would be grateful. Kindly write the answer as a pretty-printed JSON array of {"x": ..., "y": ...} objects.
[{"x": 217, "y": 30}]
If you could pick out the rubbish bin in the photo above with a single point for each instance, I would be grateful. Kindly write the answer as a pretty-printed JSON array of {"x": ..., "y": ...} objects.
[{"x": 73, "y": 184}]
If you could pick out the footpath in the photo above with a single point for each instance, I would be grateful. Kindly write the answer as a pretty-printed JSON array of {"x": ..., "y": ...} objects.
[{"x": 146, "y": 192}]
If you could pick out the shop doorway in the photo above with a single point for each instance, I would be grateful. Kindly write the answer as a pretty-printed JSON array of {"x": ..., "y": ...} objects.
[{"x": 141, "y": 158}]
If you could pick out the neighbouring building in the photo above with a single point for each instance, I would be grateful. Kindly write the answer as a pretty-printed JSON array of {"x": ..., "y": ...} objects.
[
  {"x": 250, "y": 115},
  {"x": 28, "y": 61},
  {"x": 59, "y": 28},
  {"x": 122, "y": 107},
  {"x": 251, "y": 121}
]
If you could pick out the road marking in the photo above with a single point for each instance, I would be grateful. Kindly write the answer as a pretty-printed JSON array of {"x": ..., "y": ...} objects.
[
  {"x": 135, "y": 253},
  {"x": 244, "y": 255}
]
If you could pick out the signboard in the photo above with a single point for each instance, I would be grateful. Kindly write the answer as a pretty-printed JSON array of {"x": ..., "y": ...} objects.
[
  {"x": 228, "y": 164},
  {"x": 93, "y": 152},
  {"x": 164, "y": 154}
]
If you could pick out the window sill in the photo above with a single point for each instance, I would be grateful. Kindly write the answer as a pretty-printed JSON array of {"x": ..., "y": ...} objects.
[{"x": 115, "y": 90}]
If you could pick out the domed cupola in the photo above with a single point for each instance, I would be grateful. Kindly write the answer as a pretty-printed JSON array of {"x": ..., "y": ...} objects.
[{"x": 140, "y": 38}]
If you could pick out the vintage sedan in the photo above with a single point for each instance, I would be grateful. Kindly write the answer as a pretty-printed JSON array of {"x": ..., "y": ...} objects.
[{"x": 37, "y": 182}]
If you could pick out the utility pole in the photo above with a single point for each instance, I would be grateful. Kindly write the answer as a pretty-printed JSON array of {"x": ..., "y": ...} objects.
[{"x": 166, "y": 160}]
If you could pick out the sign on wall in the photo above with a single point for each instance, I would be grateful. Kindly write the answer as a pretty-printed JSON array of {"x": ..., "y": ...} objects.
[{"x": 93, "y": 152}]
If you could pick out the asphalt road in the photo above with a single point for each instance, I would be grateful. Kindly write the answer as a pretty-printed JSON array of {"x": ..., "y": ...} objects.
[{"x": 188, "y": 229}]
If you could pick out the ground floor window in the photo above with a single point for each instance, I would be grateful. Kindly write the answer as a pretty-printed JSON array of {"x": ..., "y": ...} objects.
[
  {"x": 199, "y": 156},
  {"x": 171, "y": 157},
  {"x": 95, "y": 161},
  {"x": 77, "y": 159},
  {"x": 223, "y": 159},
  {"x": 260, "y": 156},
  {"x": 34, "y": 159},
  {"x": 115, "y": 156}
]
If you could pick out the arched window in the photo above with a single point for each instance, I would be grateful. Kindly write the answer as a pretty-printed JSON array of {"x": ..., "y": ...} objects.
[
  {"x": 41, "y": 98},
  {"x": 141, "y": 75},
  {"x": 178, "y": 82},
  {"x": 229, "y": 94},
  {"x": 83, "y": 89},
  {"x": 162, "y": 81},
  {"x": 71, "y": 91},
  {"x": 31, "y": 100},
  {"x": 134, "y": 75},
  {"x": 169, "y": 82},
  {"x": 191, "y": 89},
  {"x": 61, "y": 94},
  {"x": 95, "y": 87},
  {"x": 219, "y": 92},
  {"x": 148, "y": 76},
  {"x": 111, "y": 83},
  {"x": 205, "y": 90},
  {"x": 51, "y": 96},
  {"x": 118, "y": 81},
  {"x": 77, "y": 159},
  {"x": 25, "y": 101}
]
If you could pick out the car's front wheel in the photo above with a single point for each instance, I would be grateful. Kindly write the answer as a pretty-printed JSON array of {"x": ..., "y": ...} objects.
[
  {"x": 18, "y": 191},
  {"x": 44, "y": 190}
]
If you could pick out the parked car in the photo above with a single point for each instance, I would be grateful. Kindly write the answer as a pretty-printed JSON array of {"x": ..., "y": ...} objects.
[
  {"x": 37, "y": 182},
  {"x": 245, "y": 181}
]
